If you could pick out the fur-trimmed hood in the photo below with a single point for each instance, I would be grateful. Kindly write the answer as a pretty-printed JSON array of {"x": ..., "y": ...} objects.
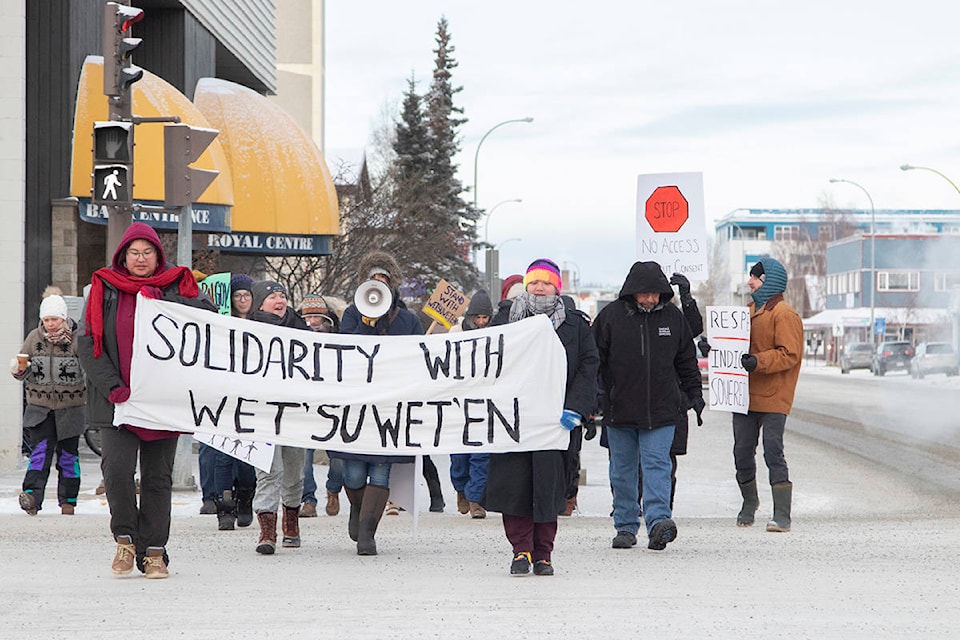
[{"x": 380, "y": 261}]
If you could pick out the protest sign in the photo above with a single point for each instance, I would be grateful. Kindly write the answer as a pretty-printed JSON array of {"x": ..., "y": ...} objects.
[
  {"x": 485, "y": 391},
  {"x": 671, "y": 223},
  {"x": 217, "y": 288},
  {"x": 728, "y": 332},
  {"x": 446, "y": 304}
]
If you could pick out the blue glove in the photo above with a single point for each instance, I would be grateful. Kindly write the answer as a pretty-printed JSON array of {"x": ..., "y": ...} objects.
[{"x": 570, "y": 420}]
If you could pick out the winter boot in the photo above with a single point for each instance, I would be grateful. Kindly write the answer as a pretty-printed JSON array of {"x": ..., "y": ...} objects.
[
  {"x": 333, "y": 503},
  {"x": 751, "y": 502},
  {"x": 374, "y": 500},
  {"x": 245, "y": 506},
  {"x": 268, "y": 533},
  {"x": 291, "y": 526},
  {"x": 782, "y": 497},
  {"x": 356, "y": 499},
  {"x": 226, "y": 511}
]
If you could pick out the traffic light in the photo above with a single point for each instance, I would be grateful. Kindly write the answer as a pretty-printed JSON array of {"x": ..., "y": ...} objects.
[
  {"x": 117, "y": 48},
  {"x": 182, "y": 145},
  {"x": 112, "y": 162}
]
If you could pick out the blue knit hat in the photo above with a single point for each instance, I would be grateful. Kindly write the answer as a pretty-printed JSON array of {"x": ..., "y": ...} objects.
[
  {"x": 774, "y": 281},
  {"x": 240, "y": 282}
]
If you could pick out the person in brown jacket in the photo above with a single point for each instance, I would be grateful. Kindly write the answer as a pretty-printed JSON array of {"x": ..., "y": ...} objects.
[{"x": 773, "y": 363}]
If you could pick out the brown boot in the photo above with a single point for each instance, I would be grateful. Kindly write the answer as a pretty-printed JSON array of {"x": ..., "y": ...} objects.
[
  {"x": 291, "y": 526},
  {"x": 355, "y": 496},
  {"x": 268, "y": 533},
  {"x": 463, "y": 505},
  {"x": 477, "y": 512},
  {"x": 333, "y": 503},
  {"x": 374, "y": 500}
]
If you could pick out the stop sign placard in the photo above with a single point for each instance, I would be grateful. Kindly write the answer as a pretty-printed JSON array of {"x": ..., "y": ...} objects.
[{"x": 666, "y": 209}]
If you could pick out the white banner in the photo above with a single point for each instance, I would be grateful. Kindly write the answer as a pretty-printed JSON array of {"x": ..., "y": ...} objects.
[
  {"x": 489, "y": 390},
  {"x": 728, "y": 332}
]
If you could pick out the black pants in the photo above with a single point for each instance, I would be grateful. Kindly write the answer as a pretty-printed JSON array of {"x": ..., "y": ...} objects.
[
  {"x": 148, "y": 524},
  {"x": 43, "y": 447}
]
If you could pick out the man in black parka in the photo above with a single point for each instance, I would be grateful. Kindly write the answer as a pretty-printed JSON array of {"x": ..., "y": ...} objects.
[{"x": 647, "y": 356}]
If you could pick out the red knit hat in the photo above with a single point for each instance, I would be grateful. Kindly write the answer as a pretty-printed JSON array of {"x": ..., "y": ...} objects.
[{"x": 508, "y": 283}]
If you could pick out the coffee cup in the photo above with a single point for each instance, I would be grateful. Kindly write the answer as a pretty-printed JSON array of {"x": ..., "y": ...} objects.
[{"x": 23, "y": 361}]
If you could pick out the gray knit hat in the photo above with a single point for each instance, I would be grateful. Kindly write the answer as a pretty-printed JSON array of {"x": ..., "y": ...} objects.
[{"x": 262, "y": 289}]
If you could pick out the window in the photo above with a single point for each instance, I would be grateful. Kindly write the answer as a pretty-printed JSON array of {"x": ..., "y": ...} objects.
[
  {"x": 825, "y": 232},
  {"x": 945, "y": 281},
  {"x": 898, "y": 281},
  {"x": 785, "y": 232},
  {"x": 951, "y": 229}
]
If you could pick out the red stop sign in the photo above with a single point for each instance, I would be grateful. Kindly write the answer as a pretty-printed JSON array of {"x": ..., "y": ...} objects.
[{"x": 666, "y": 209}]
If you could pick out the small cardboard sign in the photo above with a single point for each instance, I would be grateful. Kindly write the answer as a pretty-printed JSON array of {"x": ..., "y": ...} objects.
[{"x": 446, "y": 304}]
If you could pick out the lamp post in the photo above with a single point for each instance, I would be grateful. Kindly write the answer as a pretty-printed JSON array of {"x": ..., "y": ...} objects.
[
  {"x": 910, "y": 167},
  {"x": 873, "y": 254},
  {"x": 476, "y": 155},
  {"x": 486, "y": 224}
]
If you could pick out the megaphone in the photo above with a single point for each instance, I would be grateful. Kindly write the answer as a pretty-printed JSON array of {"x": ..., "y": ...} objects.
[{"x": 373, "y": 298}]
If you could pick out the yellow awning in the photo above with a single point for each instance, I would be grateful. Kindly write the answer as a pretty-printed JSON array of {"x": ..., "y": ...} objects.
[
  {"x": 152, "y": 97},
  {"x": 281, "y": 181}
]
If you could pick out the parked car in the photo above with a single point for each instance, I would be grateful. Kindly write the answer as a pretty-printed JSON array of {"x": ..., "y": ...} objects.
[
  {"x": 934, "y": 357},
  {"x": 856, "y": 355},
  {"x": 892, "y": 355}
]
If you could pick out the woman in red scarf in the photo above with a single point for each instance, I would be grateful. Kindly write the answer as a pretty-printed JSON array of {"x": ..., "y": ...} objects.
[{"x": 106, "y": 349}]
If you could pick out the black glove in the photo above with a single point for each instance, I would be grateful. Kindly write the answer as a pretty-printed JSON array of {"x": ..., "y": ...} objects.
[
  {"x": 704, "y": 346},
  {"x": 749, "y": 362},
  {"x": 681, "y": 282},
  {"x": 590, "y": 429},
  {"x": 697, "y": 404}
]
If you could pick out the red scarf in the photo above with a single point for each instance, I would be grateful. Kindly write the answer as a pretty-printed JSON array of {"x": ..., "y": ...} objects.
[{"x": 129, "y": 284}]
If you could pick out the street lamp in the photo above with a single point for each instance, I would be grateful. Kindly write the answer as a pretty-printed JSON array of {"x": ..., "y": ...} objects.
[
  {"x": 500, "y": 244},
  {"x": 873, "y": 253},
  {"x": 486, "y": 224},
  {"x": 476, "y": 155},
  {"x": 910, "y": 167}
]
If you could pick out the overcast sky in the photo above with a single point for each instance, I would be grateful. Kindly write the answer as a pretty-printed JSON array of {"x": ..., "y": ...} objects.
[{"x": 768, "y": 100}]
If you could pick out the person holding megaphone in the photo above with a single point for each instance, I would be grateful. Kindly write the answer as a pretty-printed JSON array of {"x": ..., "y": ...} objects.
[{"x": 376, "y": 310}]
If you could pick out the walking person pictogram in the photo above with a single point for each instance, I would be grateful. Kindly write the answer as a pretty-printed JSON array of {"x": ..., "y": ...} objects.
[{"x": 110, "y": 183}]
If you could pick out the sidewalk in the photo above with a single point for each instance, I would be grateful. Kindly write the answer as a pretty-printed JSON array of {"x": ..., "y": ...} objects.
[{"x": 871, "y": 556}]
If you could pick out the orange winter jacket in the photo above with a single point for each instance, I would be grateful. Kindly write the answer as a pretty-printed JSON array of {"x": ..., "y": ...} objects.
[{"x": 776, "y": 339}]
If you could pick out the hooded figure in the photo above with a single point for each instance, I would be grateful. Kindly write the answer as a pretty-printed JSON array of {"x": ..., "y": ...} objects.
[
  {"x": 480, "y": 305},
  {"x": 773, "y": 362},
  {"x": 647, "y": 356},
  {"x": 106, "y": 350},
  {"x": 397, "y": 320}
]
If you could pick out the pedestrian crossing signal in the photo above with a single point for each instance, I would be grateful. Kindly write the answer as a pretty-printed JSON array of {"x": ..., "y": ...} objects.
[{"x": 111, "y": 184}]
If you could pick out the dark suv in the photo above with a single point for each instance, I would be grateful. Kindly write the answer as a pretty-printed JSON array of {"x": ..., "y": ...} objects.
[
  {"x": 856, "y": 355},
  {"x": 892, "y": 355}
]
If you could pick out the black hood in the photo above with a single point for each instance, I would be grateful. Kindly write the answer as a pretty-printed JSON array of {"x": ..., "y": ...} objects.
[{"x": 646, "y": 277}]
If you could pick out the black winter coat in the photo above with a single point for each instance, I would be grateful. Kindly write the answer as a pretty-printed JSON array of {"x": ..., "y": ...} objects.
[
  {"x": 533, "y": 483},
  {"x": 646, "y": 358}
]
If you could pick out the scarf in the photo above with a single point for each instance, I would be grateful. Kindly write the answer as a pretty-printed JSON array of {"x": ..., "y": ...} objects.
[
  {"x": 131, "y": 285},
  {"x": 527, "y": 304},
  {"x": 62, "y": 336}
]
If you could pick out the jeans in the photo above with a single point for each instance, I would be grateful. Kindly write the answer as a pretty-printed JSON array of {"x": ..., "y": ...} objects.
[
  {"x": 630, "y": 449},
  {"x": 206, "y": 459},
  {"x": 283, "y": 483},
  {"x": 334, "y": 482},
  {"x": 356, "y": 472},
  {"x": 232, "y": 474},
  {"x": 468, "y": 473},
  {"x": 746, "y": 435}
]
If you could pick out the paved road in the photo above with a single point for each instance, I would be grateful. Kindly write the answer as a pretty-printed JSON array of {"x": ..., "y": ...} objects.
[{"x": 873, "y": 554}]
